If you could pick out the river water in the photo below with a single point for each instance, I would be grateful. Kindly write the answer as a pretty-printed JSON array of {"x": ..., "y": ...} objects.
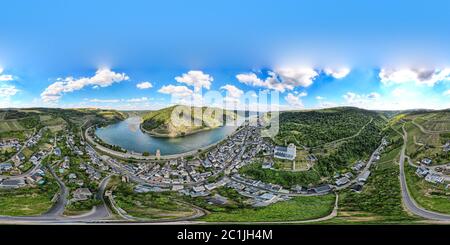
[{"x": 128, "y": 135}]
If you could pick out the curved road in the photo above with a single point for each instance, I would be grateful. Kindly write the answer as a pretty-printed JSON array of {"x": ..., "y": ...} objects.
[{"x": 408, "y": 201}]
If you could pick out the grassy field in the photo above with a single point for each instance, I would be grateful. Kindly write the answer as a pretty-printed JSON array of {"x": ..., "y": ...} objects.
[
  {"x": 298, "y": 208},
  {"x": 27, "y": 201}
]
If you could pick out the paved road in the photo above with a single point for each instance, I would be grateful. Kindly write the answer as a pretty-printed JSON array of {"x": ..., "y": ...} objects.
[
  {"x": 58, "y": 207},
  {"x": 408, "y": 201}
]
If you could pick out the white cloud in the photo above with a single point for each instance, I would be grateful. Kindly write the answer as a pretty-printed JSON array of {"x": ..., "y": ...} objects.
[
  {"x": 320, "y": 98},
  {"x": 301, "y": 77},
  {"x": 197, "y": 79},
  {"x": 420, "y": 76},
  {"x": 133, "y": 100},
  {"x": 281, "y": 79},
  {"x": 103, "y": 78},
  {"x": 446, "y": 93},
  {"x": 137, "y": 100},
  {"x": 294, "y": 100},
  {"x": 360, "y": 100},
  {"x": 337, "y": 73},
  {"x": 232, "y": 91},
  {"x": 178, "y": 91},
  {"x": 5, "y": 77},
  {"x": 104, "y": 100},
  {"x": 7, "y": 91},
  {"x": 144, "y": 85}
]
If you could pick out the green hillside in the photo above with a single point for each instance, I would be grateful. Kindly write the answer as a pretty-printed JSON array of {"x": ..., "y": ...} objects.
[
  {"x": 318, "y": 127},
  {"x": 161, "y": 123}
]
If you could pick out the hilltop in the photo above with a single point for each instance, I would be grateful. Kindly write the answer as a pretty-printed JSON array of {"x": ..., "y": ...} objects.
[{"x": 159, "y": 123}]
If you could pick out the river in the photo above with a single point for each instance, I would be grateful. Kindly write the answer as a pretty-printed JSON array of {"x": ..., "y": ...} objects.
[{"x": 128, "y": 135}]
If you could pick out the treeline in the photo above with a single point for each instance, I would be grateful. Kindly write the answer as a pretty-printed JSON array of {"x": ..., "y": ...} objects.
[{"x": 314, "y": 128}]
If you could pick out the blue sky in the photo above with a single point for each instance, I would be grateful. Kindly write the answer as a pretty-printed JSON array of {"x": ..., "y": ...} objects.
[{"x": 375, "y": 55}]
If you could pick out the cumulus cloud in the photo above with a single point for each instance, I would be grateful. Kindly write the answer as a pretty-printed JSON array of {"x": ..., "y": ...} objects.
[
  {"x": 233, "y": 91},
  {"x": 144, "y": 85},
  {"x": 7, "y": 91},
  {"x": 103, "y": 78},
  {"x": 337, "y": 73},
  {"x": 281, "y": 79},
  {"x": 420, "y": 76},
  {"x": 197, "y": 79},
  {"x": 447, "y": 93},
  {"x": 301, "y": 77},
  {"x": 178, "y": 91},
  {"x": 5, "y": 77},
  {"x": 295, "y": 100}
]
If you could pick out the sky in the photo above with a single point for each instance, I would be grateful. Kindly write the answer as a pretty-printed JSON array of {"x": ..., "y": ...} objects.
[{"x": 388, "y": 55}]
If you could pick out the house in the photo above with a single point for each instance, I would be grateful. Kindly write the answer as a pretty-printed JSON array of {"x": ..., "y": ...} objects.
[
  {"x": 72, "y": 176},
  {"x": 267, "y": 165},
  {"x": 348, "y": 175},
  {"x": 268, "y": 196},
  {"x": 81, "y": 194},
  {"x": 358, "y": 166},
  {"x": 364, "y": 176},
  {"x": 288, "y": 153},
  {"x": 198, "y": 188},
  {"x": 177, "y": 187},
  {"x": 422, "y": 171},
  {"x": 5, "y": 167},
  {"x": 321, "y": 189},
  {"x": 16, "y": 160},
  {"x": 218, "y": 199},
  {"x": 434, "y": 178},
  {"x": 12, "y": 183},
  {"x": 446, "y": 147},
  {"x": 342, "y": 181},
  {"x": 426, "y": 161},
  {"x": 57, "y": 152}
]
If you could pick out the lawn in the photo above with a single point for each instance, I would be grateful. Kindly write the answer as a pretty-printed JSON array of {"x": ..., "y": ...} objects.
[{"x": 298, "y": 208}]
